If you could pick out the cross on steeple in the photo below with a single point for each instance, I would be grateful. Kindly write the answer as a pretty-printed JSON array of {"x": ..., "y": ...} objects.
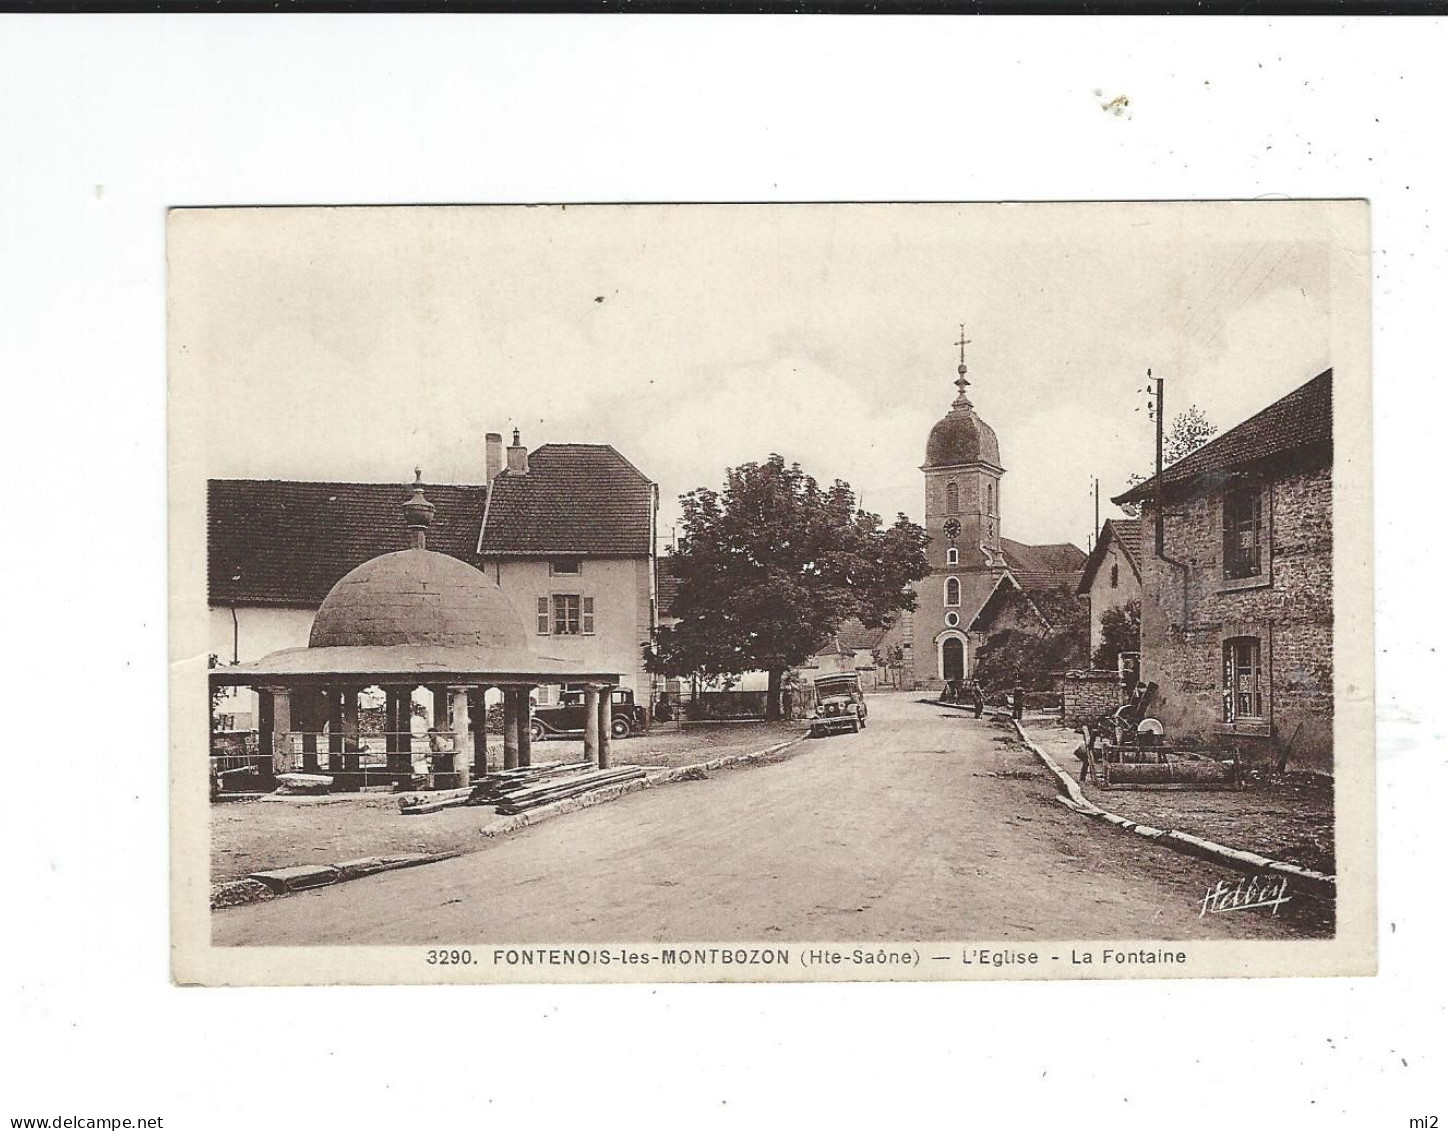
[{"x": 960, "y": 380}]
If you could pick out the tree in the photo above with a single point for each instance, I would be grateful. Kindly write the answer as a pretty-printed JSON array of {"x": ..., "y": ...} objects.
[
  {"x": 771, "y": 566},
  {"x": 1120, "y": 632},
  {"x": 1188, "y": 431}
]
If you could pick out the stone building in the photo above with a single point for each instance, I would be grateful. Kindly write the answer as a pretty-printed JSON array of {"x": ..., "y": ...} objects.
[
  {"x": 1112, "y": 574},
  {"x": 1237, "y": 615},
  {"x": 566, "y": 530},
  {"x": 968, "y": 557}
]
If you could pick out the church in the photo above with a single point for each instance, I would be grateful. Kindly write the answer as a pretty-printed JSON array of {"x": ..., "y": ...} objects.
[{"x": 979, "y": 582}]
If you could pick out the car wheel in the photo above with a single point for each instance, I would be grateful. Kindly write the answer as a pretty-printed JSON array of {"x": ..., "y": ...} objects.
[
  {"x": 536, "y": 731},
  {"x": 621, "y": 728}
]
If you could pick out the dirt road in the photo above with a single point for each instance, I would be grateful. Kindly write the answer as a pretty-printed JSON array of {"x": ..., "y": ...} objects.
[{"x": 928, "y": 825}]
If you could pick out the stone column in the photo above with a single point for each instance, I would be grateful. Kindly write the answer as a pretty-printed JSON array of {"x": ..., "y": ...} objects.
[
  {"x": 281, "y": 724},
  {"x": 590, "y": 723},
  {"x": 265, "y": 731},
  {"x": 478, "y": 724},
  {"x": 462, "y": 736},
  {"x": 510, "y": 728},
  {"x": 605, "y": 728},
  {"x": 525, "y": 727},
  {"x": 336, "y": 729}
]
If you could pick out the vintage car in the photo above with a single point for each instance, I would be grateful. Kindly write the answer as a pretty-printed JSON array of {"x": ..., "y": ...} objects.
[
  {"x": 566, "y": 716},
  {"x": 839, "y": 705}
]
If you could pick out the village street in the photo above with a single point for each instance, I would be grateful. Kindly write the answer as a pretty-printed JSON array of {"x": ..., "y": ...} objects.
[{"x": 930, "y": 824}]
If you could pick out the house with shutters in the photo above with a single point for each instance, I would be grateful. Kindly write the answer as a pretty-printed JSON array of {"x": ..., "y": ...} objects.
[
  {"x": 565, "y": 531},
  {"x": 1236, "y": 581}
]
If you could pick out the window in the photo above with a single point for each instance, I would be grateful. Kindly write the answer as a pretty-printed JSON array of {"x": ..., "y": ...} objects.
[
  {"x": 1242, "y": 533},
  {"x": 952, "y": 499},
  {"x": 952, "y": 591},
  {"x": 1115, "y": 574},
  {"x": 565, "y": 614},
  {"x": 565, "y": 566},
  {"x": 952, "y": 556},
  {"x": 1241, "y": 678},
  {"x": 566, "y": 618},
  {"x": 952, "y": 620},
  {"x": 990, "y": 498}
]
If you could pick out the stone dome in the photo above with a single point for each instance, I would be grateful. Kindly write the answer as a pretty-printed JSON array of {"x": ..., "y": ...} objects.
[
  {"x": 417, "y": 597},
  {"x": 962, "y": 437}
]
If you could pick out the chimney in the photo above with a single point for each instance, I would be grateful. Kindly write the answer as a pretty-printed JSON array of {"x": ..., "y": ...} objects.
[
  {"x": 493, "y": 445},
  {"x": 517, "y": 457}
]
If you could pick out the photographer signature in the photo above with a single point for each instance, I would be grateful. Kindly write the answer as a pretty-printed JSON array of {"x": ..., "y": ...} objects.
[{"x": 1259, "y": 891}]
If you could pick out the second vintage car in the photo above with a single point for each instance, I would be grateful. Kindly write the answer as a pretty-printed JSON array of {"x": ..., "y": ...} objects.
[{"x": 566, "y": 716}]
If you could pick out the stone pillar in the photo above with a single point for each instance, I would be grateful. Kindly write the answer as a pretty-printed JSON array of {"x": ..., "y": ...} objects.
[
  {"x": 265, "y": 731},
  {"x": 462, "y": 736},
  {"x": 590, "y": 723},
  {"x": 336, "y": 729},
  {"x": 525, "y": 727},
  {"x": 281, "y": 725},
  {"x": 478, "y": 723},
  {"x": 398, "y": 721},
  {"x": 510, "y": 728},
  {"x": 605, "y": 728}
]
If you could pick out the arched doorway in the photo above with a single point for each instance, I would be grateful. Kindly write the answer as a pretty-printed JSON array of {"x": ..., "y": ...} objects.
[{"x": 952, "y": 658}]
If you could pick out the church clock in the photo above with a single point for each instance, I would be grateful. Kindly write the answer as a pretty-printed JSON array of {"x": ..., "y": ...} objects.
[{"x": 952, "y": 528}]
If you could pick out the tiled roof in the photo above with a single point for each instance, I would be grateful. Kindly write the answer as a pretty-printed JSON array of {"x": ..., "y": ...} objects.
[
  {"x": 1300, "y": 420},
  {"x": 574, "y": 499},
  {"x": 283, "y": 542},
  {"x": 1126, "y": 534},
  {"x": 1051, "y": 566},
  {"x": 854, "y": 636}
]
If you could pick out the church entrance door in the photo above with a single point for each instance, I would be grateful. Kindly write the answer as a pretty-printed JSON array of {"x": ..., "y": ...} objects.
[{"x": 952, "y": 659}]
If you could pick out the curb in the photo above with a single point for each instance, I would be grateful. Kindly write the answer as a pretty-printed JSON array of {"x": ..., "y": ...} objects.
[
  {"x": 236, "y": 893},
  {"x": 1234, "y": 858}
]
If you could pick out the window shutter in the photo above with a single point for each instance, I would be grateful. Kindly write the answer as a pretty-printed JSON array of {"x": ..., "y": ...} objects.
[
  {"x": 588, "y": 616},
  {"x": 542, "y": 616}
]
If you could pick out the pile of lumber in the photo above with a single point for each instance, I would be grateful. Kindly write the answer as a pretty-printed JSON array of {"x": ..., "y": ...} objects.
[
  {"x": 558, "y": 787},
  {"x": 500, "y": 783}
]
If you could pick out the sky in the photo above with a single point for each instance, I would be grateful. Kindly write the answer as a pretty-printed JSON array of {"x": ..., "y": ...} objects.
[{"x": 357, "y": 343}]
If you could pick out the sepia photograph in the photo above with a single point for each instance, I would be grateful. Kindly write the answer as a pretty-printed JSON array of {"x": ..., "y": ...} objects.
[{"x": 705, "y": 592}]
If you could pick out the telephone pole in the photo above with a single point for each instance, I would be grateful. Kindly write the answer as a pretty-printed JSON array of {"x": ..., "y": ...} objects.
[{"x": 1160, "y": 438}]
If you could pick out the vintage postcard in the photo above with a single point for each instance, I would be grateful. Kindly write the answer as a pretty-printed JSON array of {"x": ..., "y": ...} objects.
[{"x": 771, "y": 592}]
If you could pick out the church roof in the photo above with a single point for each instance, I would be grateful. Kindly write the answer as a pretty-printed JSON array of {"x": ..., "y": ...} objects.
[
  {"x": 573, "y": 499},
  {"x": 962, "y": 437},
  {"x": 1053, "y": 565}
]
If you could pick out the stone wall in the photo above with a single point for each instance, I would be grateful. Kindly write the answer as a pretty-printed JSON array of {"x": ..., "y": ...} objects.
[
  {"x": 1088, "y": 695},
  {"x": 1189, "y": 609}
]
